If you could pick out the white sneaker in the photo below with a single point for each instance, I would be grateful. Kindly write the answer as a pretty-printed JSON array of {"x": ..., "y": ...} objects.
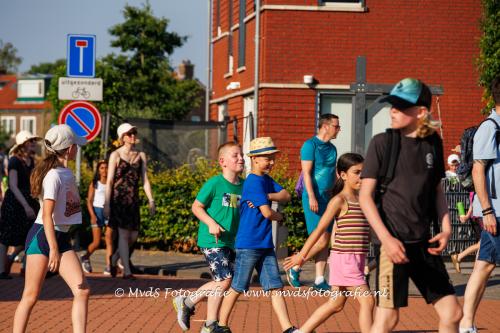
[{"x": 472, "y": 329}]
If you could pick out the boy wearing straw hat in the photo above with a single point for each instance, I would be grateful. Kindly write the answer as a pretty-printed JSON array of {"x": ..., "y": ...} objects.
[{"x": 254, "y": 244}]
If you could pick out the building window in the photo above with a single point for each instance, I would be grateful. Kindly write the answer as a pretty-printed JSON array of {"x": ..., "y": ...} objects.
[
  {"x": 242, "y": 35},
  {"x": 230, "y": 40},
  {"x": 343, "y": 4},
  {"x": 217, "y": 19},
  {"x": 8, "y": 124},
  {"x": 28, "y": 124}
]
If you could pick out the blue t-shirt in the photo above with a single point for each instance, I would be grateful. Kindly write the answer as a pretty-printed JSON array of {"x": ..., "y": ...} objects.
[
  {"x": 255, "y": 231},
  {"x": 324, "y": 156},
  {"x": 486, "y": 148}
]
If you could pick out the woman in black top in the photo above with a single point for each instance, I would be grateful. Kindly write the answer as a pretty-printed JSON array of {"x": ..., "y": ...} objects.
[{"x": 19, "y": 209}]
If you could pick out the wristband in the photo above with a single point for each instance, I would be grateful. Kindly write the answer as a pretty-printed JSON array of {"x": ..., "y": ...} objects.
[
  {"x": 488, "y": 213},
  {"x": 487, "y": 210}
]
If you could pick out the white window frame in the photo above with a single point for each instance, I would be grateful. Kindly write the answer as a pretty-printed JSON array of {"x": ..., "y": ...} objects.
[
  {"x": 11, "y": 131},
  {"x": 343, "y": 4},
  {"x": 28, "y": 118}
]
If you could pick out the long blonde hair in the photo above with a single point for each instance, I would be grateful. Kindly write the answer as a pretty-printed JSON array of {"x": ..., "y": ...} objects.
[
  {"x": 426, "y": 125},
  {"x": 50, "y": 161}
]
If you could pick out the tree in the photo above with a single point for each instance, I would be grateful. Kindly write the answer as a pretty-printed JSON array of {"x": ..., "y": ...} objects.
[
  {"x": 142, "y": 78},
  {"x": 46, "y": 67},
  {"x": 489, "y": 58},
  {"x": 8, "y": 58}
]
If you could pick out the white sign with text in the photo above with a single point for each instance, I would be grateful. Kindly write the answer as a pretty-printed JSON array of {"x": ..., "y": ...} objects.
[{"x": 80, "y": 89}]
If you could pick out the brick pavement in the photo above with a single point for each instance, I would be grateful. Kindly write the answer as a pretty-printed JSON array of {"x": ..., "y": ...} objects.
[{"x": 109, "y": 313}]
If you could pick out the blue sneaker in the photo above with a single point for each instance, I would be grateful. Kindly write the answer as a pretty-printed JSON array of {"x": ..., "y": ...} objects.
[
  {"x": 323, "y": 286},
  {"x": 292, "y": 276}
]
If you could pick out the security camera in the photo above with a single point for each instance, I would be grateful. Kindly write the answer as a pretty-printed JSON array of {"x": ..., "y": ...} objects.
[{"x": 308, "y": 79}]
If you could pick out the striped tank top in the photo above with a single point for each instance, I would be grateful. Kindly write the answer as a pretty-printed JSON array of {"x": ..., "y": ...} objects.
[{"x": 353, "y": 230}]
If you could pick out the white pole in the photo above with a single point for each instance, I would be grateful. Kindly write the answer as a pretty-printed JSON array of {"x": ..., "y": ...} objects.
[{"x": 78, "y": 166}]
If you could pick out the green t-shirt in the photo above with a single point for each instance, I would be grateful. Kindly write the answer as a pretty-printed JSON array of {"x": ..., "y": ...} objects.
[{"x": 222, "y": 203}]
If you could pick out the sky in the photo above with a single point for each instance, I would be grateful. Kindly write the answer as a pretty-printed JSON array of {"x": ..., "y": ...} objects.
[{"x": 38, "y": 28}]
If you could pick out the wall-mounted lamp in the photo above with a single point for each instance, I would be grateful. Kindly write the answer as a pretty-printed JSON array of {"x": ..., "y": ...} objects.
[{"x": 310, "y": 80}]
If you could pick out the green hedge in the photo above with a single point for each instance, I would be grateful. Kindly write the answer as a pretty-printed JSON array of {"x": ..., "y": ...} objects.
[{"x": 174, "y": 227}]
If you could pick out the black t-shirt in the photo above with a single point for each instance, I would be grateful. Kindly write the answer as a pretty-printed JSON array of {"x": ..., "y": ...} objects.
[
  {"x": 23, "y": 173},
  {"x": 409, "y": 201}
]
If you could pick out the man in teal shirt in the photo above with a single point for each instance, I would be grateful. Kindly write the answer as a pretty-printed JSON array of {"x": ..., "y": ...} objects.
[{"x": 318, "y": 159}]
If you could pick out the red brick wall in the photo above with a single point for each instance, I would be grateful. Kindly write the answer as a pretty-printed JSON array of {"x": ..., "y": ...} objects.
[{"x": 436, "y": 41}]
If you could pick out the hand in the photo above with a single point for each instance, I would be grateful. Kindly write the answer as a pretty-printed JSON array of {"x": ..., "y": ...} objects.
[
  {"x": 442, "y": 240},
  {"x": 278, "y": 217},
  {"x": 54, "y": 260},
  {"x": 30, "y": 213},
  {"x": 106, "y": 211},
  {"x": 463, "y": 218},
  {"x": 215, "y": 230},
  {"x": 250, "y": 204},
  {"x": 292, "y": 261},
  {"x": 395, "y": 251},
  {"x": 313, "y": 204},
  {"x": 152, "y": 208},
  {"x": 490, "y": 224}
]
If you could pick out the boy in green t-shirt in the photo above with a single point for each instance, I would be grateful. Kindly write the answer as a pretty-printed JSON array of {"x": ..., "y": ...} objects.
[{"x": 217, "y": 207}]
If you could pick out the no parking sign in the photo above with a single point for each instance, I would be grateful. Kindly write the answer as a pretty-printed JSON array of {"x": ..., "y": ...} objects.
[{"x": 83, "y": 117}]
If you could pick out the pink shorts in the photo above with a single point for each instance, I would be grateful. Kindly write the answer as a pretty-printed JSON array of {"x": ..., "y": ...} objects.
[{"x": 346, "y": 269}]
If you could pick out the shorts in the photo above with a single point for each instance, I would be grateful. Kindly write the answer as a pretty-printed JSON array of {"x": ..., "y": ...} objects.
[
  {"x": 424, "y": 269},
  {"x": 489, "y": 248},
  {"x": 312, "y": 218},
  {"x": 101, "y": 221},
  {"x": 220, "y": 260},
  {"x": 347, "y": 269},
  {"x": 264, "y": 260},
  {"x": 36, "y": 241}
]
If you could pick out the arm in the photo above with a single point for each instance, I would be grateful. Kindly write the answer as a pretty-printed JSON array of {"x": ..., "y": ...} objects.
[
  {"x": 270, "y": 214},
  {"x": 443, "y": 215},
  {"x": 394, "y": 248},
  {"x": 90, "y": 204},
  {"x": 307, "y": 169},
  {"x": 213, "y": 227},
  {"x": 479, "y": 178},
  {"x": 147, "y": 184},
  {"x": 333, "y": 209},
  {"x": 282, "y": 196},
  {"x": 30, "y": 213},
  {"x": 467, "y": 216},
  {"x": 48, "y": 226},
  {"x": 109, "y": 183}
]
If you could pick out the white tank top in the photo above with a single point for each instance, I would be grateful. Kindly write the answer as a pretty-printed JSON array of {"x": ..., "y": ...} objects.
[{"x": 99, "y": 195}]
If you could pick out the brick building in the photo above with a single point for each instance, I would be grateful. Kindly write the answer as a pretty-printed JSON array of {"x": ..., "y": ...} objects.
[{"x": 436, "y": 41}]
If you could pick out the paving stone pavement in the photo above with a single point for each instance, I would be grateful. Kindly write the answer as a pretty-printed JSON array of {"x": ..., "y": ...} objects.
[{"x": 153, "y": 312}]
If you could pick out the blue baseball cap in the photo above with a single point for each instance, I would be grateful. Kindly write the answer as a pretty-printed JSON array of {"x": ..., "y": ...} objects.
[{"x": 408, "y": 93}]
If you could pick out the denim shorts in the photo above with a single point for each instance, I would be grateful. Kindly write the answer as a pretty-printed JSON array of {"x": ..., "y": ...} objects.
[
  {"x": 36, "y": 241},
  {"x": 220, "y": 260},
  {"x": 489, "y": 248},
  {"x": 101, "y": 221},
  {"x": 264, "y": 260}
]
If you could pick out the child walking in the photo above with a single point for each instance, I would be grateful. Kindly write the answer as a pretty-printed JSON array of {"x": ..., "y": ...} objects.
[
  {"x": 48, "y": 244},
  {"x": 349, "y": 247},
  {"x": 217, "y": 207},
  {"x": 404, "y": 247},
  {"x": 254, "y": 244},
  {"x": 95, "y": 204}
]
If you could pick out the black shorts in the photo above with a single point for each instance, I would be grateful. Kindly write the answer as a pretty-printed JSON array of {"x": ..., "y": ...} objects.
[
  {"x": 425, "y": 270},
  {"x": 36, "y": 242}
]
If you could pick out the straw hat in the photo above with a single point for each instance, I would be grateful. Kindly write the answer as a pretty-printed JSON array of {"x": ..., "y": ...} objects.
[{"x": 262, "y": 146}]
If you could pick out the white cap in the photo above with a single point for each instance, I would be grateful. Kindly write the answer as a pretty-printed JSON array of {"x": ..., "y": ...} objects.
[
  {"x": 124, "y": 128},
  {"x": 21, "y": 138},
  {"x": 452, "y": 158},
  {"x": 61, "y": 137}
]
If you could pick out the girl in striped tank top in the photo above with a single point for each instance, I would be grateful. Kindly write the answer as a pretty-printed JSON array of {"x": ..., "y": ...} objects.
[{"x": 349, "y": 248}]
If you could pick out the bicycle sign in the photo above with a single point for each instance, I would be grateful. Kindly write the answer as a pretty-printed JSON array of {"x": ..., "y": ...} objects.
[
  {"x": 80, "y": 89},
  {"x": 83, "y": 118}
]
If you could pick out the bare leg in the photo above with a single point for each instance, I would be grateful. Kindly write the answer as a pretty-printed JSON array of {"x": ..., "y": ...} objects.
[
  {"x": 126, "y": 238},
  {"x": 322, "y": 255},
  {"x": 474, "y": 291},
  {"x": 385, "y": 320},
  {"x": 96, "y": 240},
  {"x": 470, "y": 250},
  {"x": 366, "y": 302},
  {"x": 334, "y": 304},
  {"x": 279, "y": 307},
  {"x": 108, "y": 236},
  {"x": 71, "y": 271},
  {"x": 227, "y": 306},
  {"x": 36, "y": 269},
  {"x": 449, "y": 312}
]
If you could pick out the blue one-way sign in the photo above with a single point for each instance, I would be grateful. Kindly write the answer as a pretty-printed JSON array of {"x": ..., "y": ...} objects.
[{"x": 81, "y": 56}]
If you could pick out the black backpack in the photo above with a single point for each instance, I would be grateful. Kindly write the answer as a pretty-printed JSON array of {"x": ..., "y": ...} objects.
[
  {"x": 386, "y": 175},
  {"x": 464, "y": 170}
]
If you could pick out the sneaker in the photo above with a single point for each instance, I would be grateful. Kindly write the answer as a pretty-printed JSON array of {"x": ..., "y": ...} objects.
[
  {"x": 5, "y": 276},
  {"x": 292, "y": 276},
  {"x": 107, "y": 271},
  {"x": 292, "y": 329},
  {"x": 456, "y": 263},
  {"x": 473, "y": 329},
  {"x": 222, "y": 329},
  {"x": 183, "y": 312},
  {"x": 120, "y": 265},
  {"x": 323, "y": 286},
  {"x": 210, "y": 328},
  {"x": 86, "y": 266}
]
